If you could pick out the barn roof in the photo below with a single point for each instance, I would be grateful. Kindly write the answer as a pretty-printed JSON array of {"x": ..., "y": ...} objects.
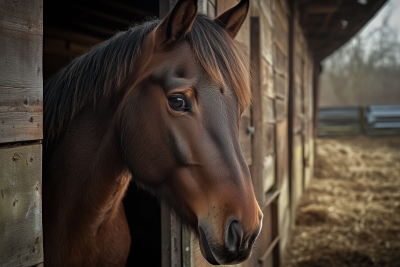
[{"x": 328, "y": 24}]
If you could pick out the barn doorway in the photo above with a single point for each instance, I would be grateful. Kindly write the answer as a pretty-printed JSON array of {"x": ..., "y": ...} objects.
[{"x": 70, "y": 29}]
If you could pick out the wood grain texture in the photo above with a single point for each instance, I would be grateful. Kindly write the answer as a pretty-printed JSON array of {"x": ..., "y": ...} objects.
[
  {"x": 280, "y": 112},
  {"x": 298, "y": 111},
  {"x": 267, "y": 79},
  {"x": 266, "y": 9},
  {"x": 186, "y": 248},
  {"x": 266, "y": 40},
  {"x": 21, "y": 241},
  {"x": 165, "y": 235},
  {"x": 297, "y": 175},
  {"x": 281, "y": 62},
  {"x": 268, "y": 173},
  {"x": 269, "y": 138},
  {"x": 21, "y": 82},
  {"x": 257, "y": 110},
  {"x": 298, "y": 68},
  {"x": 268, "y": 110},
  {"x": 245, "y": 137},
  {"x": 282, "y": 152},
  {"x": 281, "y": 86},
  {"x": 284, "y": 215},
  {"x": 281, "y": 37},
  {"x": 176, "y": 242}
]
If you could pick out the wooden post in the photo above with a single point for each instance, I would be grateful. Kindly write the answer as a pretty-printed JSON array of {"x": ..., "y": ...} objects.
[
  {"x": 21, "y": 123},
  {"x": 171, "y": 240},
  {"x": 256, "y": 167},
  {"x": 165, "y": 236},
  {"x": 291, "y": 99}
]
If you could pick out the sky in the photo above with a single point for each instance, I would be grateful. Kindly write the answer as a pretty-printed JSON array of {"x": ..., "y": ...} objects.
[{"x": 391, "y": 8}]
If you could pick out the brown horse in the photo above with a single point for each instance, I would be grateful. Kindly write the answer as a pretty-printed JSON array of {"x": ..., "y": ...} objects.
[{"x": 158, "y": 104}]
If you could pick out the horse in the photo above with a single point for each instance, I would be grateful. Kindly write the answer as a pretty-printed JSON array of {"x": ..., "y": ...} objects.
[{"x": 158, "y": 104}]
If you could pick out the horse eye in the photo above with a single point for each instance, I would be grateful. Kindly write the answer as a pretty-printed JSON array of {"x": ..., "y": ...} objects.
[{"x": 176, "y": 102}]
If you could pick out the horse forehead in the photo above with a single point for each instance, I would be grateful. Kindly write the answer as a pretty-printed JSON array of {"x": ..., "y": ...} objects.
[{"x": 179, "y": 55}]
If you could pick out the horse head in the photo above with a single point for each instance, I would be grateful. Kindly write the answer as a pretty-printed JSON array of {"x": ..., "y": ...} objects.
[{"x": 179, "y": 123}]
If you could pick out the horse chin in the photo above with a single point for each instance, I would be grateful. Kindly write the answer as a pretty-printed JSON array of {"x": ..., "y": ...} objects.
[
  {"x": 218, "y": 256},
  {"x": 205, "y": 249}
]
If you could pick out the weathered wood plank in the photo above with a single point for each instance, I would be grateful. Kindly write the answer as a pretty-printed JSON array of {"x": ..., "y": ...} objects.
[
  {"x": 268, "y": 173},
  {"x": 266, "y": 40},
  {"x": 176, "y": 242},
  {"x": 298, "y": 112},
  {"x": 267, "y": 79},
  {"x": 186, "y": 248},
  {"x": 281, "y": 14},
  {"x": 281, "y": 37},
  {"x": 165, "y": 235},
  {"x": 281, "y": 62},
  {"x": 269, "y": 138},
  {"x": 280, "y": 109},
  {"x": 281, "y": 85},
  {"x": 257, "y": 109},
  {"x": 21, "y": 83},
  {"x": 297, "y": 175},
  {"x": 268, "y": 110},
  {"x": 282, "y": 152},
  {"x": 284, "y": 214},
  {"x": 266, "y": 9},
  {"x": 298, "y": 68},
  {"x": 21, "y": 241},
  {"x": 245, "y": 137}
]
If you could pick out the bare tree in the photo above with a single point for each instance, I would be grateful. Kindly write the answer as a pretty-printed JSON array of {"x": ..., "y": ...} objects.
[{"x": 366, "y": 70}]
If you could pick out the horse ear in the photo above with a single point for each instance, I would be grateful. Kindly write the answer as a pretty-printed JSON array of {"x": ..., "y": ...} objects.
[
  {"x": 178, "y": 22},
  {"x": 233, "y": 19}
]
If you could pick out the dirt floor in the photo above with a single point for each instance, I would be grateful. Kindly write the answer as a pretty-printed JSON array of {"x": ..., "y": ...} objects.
[{"x": 350, "y": 214}]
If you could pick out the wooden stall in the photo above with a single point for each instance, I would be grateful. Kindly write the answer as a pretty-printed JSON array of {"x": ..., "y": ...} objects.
[
  {"x": 285, "y": 41},
  {"x": 21, "y": 106}
]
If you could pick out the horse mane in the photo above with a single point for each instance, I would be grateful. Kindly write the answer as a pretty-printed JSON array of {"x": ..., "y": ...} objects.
[{"x": 107, "y": 65}]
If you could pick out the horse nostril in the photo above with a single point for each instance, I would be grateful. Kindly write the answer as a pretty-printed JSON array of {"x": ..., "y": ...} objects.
[{"x": 233, "y": 236}]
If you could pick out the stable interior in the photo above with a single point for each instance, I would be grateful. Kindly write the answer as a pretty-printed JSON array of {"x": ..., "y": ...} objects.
[{"x": 71, "y": 28}]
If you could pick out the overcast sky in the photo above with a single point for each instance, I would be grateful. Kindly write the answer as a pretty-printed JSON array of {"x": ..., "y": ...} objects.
[{"x": 391, "y": 8}]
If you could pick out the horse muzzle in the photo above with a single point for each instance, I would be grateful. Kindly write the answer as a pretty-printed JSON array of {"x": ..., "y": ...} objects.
[{"x": 236, "y": 247}]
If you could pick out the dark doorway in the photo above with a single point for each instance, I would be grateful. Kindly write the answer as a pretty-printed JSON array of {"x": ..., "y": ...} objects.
[{"x": 71, "y": 28}]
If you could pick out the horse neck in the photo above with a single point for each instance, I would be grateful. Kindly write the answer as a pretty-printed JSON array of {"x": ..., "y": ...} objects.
[{"x": 86, "y": 175}]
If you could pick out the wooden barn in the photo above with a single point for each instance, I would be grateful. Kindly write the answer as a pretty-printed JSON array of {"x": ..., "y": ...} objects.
[{"x": 285, "y": 41}]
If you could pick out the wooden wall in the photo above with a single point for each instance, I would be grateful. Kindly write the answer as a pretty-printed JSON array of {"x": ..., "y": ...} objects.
[
  {"x": 301, "y": 113},
  {"x": 266, "y": 37},
  {"x": 21, "y": 122}
]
